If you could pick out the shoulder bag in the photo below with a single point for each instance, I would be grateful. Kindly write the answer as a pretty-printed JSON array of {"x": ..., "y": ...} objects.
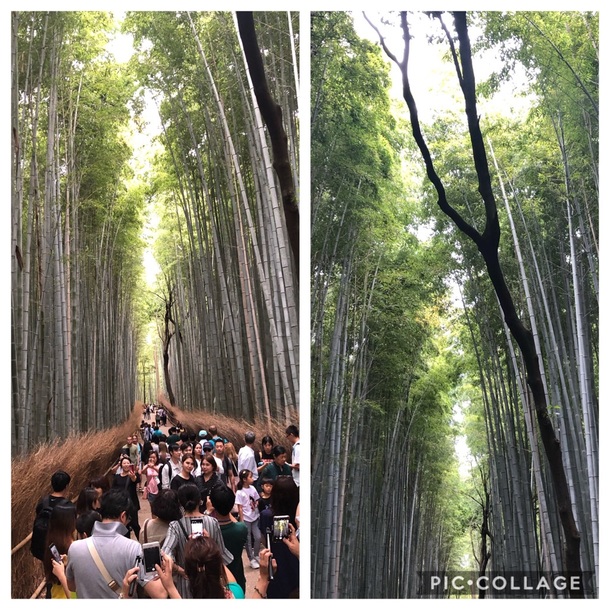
[{"x": 113, "y": 584}]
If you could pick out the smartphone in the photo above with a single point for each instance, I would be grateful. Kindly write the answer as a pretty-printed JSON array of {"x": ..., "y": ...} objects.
[
  {"x": 152, "y": 556},
  {"x": 270, "y": 565},
  {"x": 134, "y": 582},
  {"x": 55, "y": 553},
  {"x": 280, "y": 527},
  {"x": 197, "y": 525}
]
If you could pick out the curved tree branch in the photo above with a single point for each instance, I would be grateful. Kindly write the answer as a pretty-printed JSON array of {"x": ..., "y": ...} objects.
[
  {"x": 443, "y": 203},
  {"x": 488, "y": 244}
]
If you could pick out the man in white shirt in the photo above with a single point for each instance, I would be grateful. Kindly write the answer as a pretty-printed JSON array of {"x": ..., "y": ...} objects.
[
  {"x": 172, "y": 467},
  {"x": 224, "y": 466},
  {"x": 245, "y": 457},
  {"x": 292, "y": 434}
]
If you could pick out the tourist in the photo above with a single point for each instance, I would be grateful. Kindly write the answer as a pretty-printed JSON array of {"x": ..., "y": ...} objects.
[{"x": 246, "y": 500}]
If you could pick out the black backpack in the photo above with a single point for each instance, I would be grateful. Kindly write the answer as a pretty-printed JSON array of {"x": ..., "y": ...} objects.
[
  {"x": 161, "y": 471},
  {"x": 41, "y": 525}
]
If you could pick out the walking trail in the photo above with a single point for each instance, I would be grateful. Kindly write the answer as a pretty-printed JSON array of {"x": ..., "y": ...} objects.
[{"x": 250, "y": 573}]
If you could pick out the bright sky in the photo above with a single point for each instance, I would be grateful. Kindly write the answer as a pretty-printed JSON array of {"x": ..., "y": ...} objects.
[
  {"x": 122, "y": 48},
  {"x": 433, "y": 80},
  {"x": 435, "y": 89}
]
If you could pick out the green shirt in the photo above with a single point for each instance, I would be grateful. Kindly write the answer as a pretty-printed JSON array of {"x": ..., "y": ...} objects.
[
  {"x": 234, "y": 536},
  {"x": 273, "y": 471}
]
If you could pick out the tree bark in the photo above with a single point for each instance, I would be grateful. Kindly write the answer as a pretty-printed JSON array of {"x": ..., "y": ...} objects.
[{"x": 272, "y": 115}]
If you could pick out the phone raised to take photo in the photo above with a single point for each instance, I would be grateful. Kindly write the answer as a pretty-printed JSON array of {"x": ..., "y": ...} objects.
[
  {"x": 55, "y": 553},
  {"x": 270, "y": 566},
  {"x": 152, "y": 556},
  {"x": 134, "y": 582},
  {"x": 281, "y": 529},
  {"x": 197, "y": 525}
]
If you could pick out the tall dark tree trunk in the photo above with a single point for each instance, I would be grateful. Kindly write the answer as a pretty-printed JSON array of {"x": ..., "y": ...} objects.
[
  {"x": 487, "y": 244},
  {"x": 271, "y": 112},
  {"x": 169, "y": 330},
  {"x": 168, "y": 383},
  {"x": 485, "y": 553}
]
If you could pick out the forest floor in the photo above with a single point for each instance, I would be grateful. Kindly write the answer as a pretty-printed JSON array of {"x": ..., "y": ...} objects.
[{"x": 250, "y": 573}]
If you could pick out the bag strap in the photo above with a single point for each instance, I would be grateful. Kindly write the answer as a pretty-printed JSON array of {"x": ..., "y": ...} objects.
[
  {"x": 113, "y": 584},
  {"x": 161, "y": 471},
  {"x": 145, "y": 534},
  {"x": 186, "y": 536}
]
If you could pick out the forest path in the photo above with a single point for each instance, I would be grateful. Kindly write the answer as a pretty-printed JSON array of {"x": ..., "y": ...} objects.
[
  {"x": 250, "y": 573},
  {"x": 31, "y": 474}
]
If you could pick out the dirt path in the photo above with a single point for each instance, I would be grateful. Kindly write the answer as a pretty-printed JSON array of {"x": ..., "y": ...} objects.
[{"x": 251, "y": 574}]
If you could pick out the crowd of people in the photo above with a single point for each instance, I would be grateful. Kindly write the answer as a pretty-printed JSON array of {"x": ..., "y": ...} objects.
[{"x": 208, "y": 504}]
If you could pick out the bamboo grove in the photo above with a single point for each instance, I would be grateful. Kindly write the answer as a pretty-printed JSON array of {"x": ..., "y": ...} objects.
[
  {"x": 411, "y": 348},
  {"x": 226, "y": 300}
]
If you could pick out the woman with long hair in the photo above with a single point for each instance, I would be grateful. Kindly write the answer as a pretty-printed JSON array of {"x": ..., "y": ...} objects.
[
  {"x": 199, "y": 558},
  {"x": 208, "y": 478},
  {"x": 186, "y": 474},
  {"x": 179, "y": 531},
  {"x": 197, "y": 456},
  {"x": 163, "y": 454},
  {"x": 127, "y": 480},
  {"x": 208, "y": 577},
  {"x": 88, "y": 499},
  {"x": 232, "y": 455},
  {"x": 101, "y": 484},
  {"x": 60, "y": 532}
]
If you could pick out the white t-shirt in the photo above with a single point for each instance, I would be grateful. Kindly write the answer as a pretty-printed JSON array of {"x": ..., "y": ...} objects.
[
  {"x": 248, "y": 500},
  {"x": 296, "y": 459},
  {"x": 170, "y": 470},
  {"x": 246, "y": 461}
]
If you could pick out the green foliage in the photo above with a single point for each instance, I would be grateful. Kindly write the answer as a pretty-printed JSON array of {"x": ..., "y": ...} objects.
[
  {"x": 81, "y": 221},
  {"x": 355, "y": 179},
  {"x": 546, "y": 158},
  {"x": 402, "y": 366},
  {"x": 94, "y": 95}
]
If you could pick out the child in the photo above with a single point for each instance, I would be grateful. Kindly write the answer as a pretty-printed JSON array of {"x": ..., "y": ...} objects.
[
  {"x": 264, "y": 500},
  {"x": 246, "y": 500}
]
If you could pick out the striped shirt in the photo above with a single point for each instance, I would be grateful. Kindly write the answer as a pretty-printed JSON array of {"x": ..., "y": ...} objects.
[{"x": 175, "y": 541}]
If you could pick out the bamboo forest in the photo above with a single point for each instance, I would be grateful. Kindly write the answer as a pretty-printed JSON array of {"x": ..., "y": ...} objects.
[
  {"x": 212, "y": 199},
  {"x": 450, "y": 192},
  {"x": 454, "y": 305},
  {"x": 154, "y": 276}
]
